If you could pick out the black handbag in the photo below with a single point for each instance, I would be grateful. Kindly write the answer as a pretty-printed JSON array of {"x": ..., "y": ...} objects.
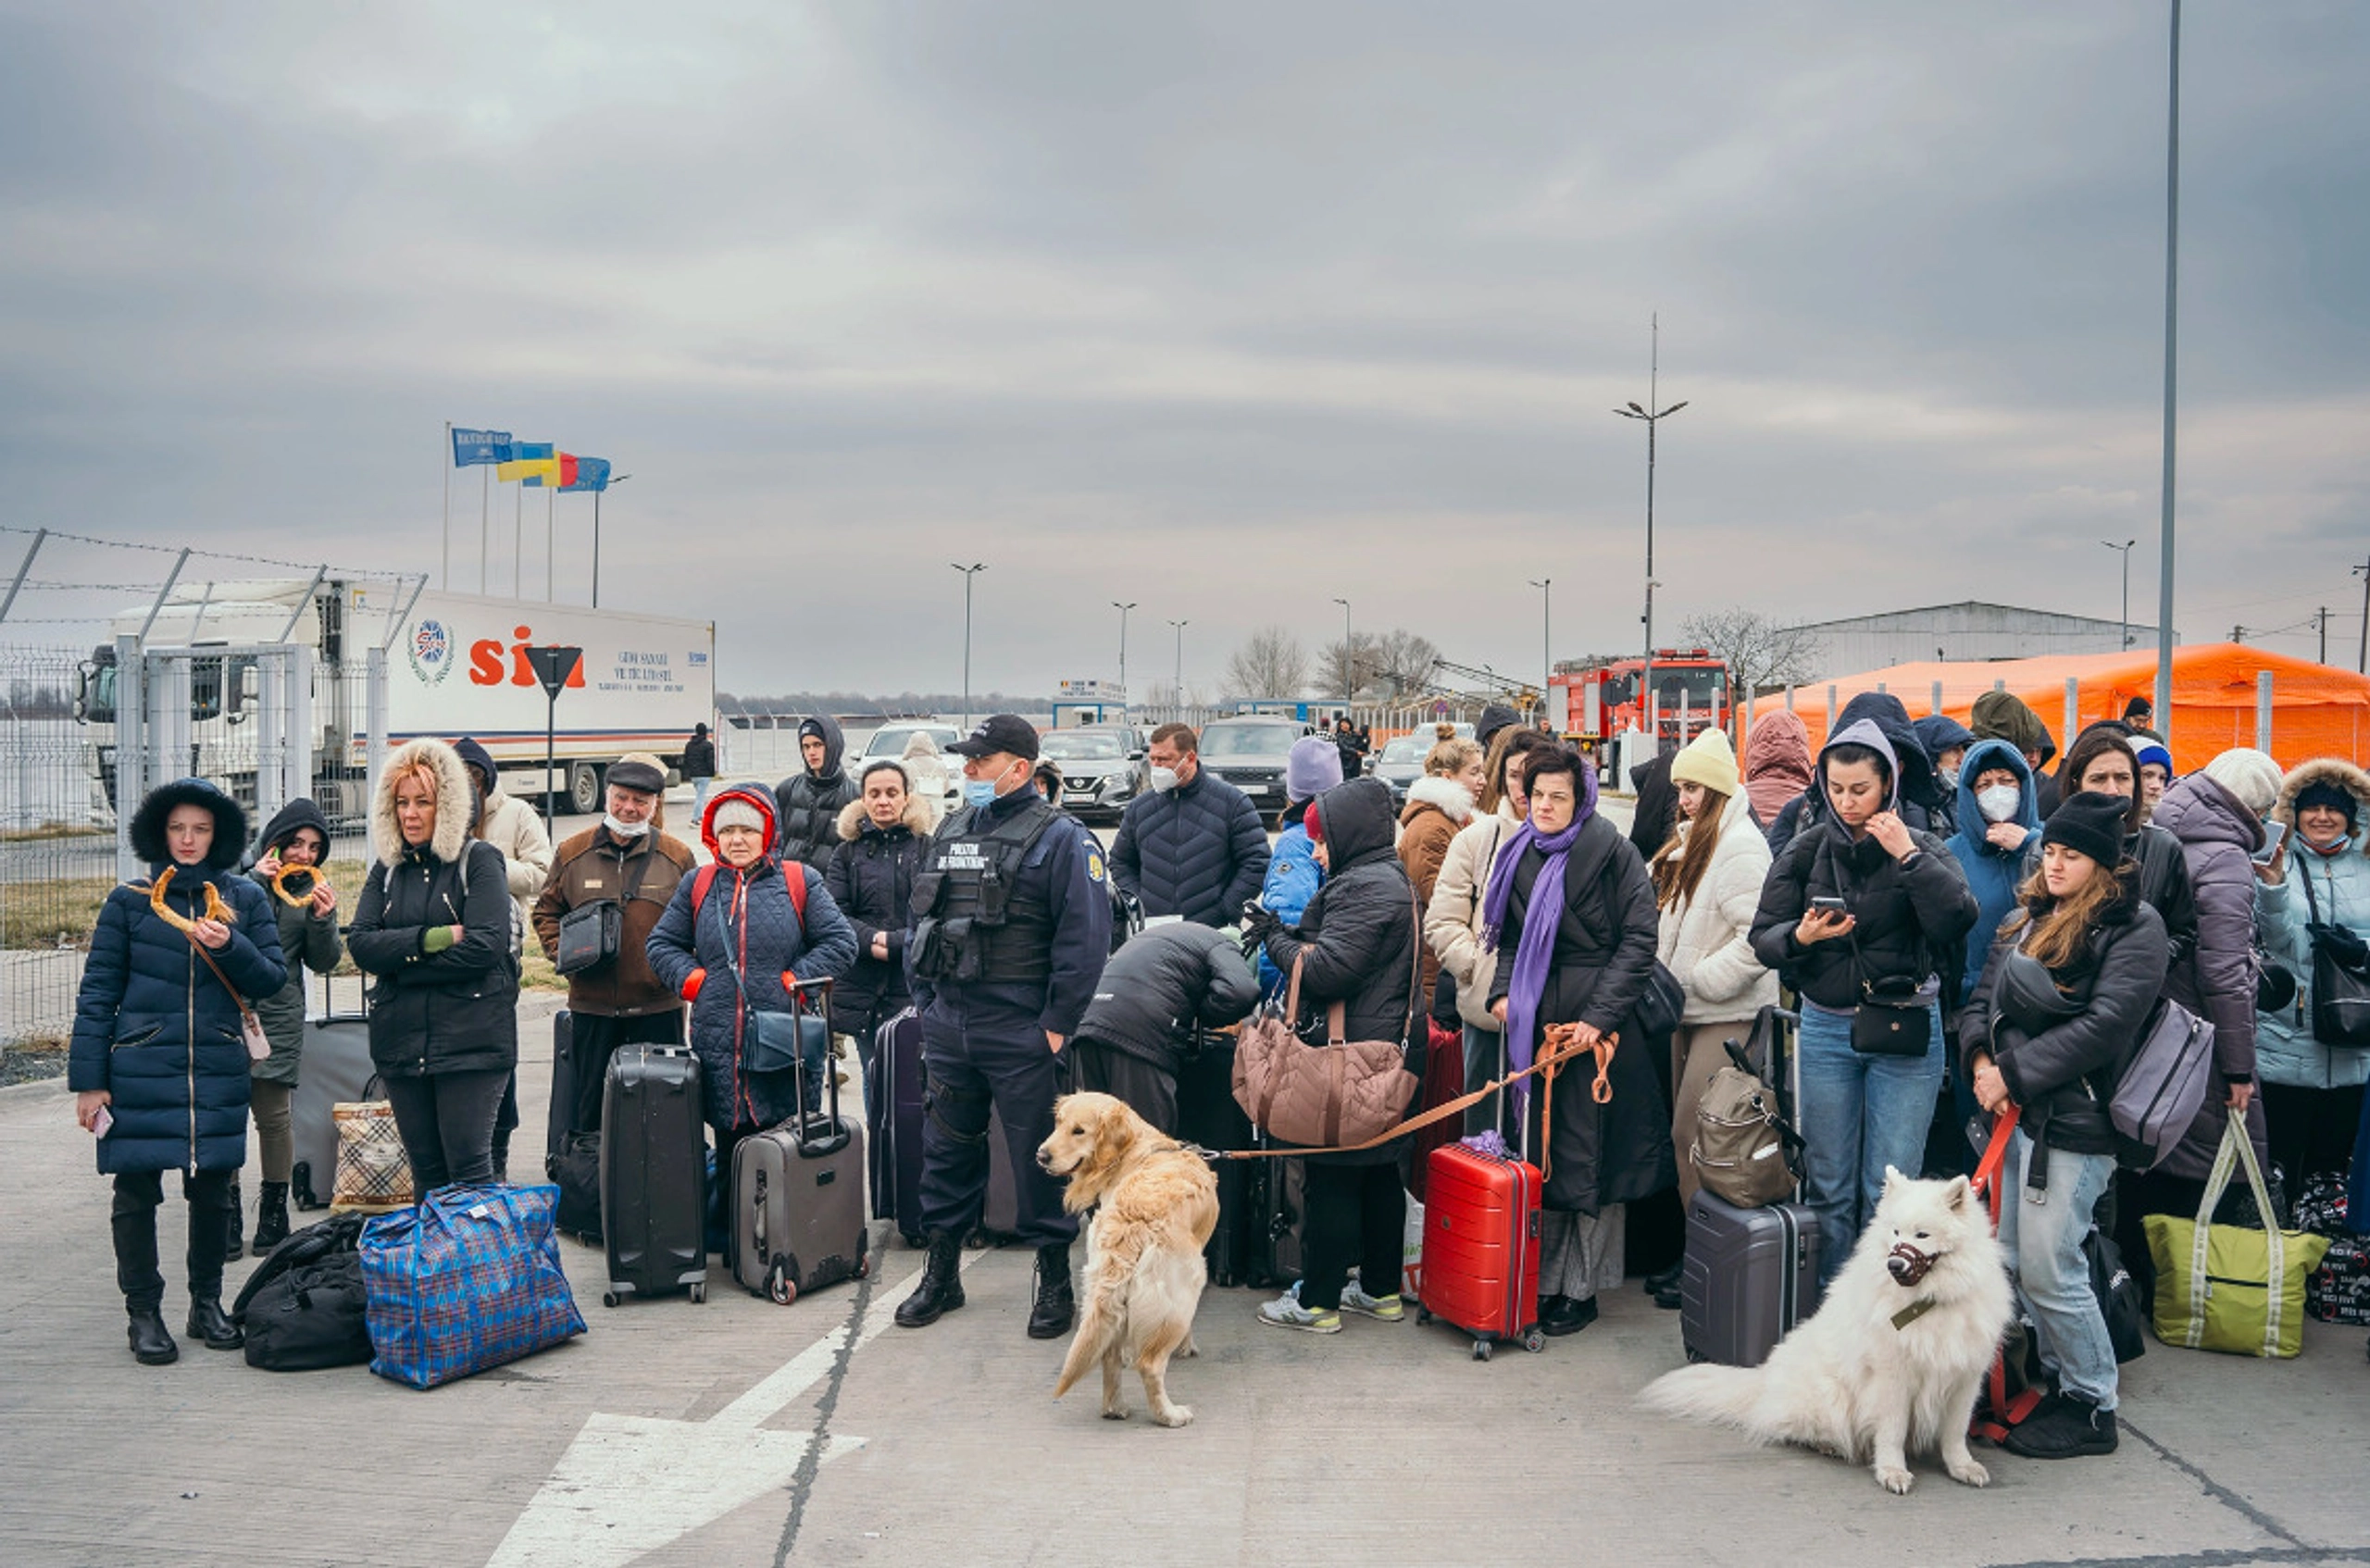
[
  {"x": 592, "y": 935},
  {"x": 1662, "y": 1003},
  {"x": 1895, "y": 1016},
  {"x": 2340, "y": 978}
]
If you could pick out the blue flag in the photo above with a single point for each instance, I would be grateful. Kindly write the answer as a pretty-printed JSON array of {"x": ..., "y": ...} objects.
[
  {"x": 591, "y": 473},
  {"x": 471, "y": 448}
]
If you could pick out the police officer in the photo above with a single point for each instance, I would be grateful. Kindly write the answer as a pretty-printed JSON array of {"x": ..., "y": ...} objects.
[{"x": 1012, "y": 922}]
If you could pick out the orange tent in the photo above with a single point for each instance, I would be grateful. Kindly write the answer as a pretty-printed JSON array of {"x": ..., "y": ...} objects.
[{"x": 2317, "y": 711}]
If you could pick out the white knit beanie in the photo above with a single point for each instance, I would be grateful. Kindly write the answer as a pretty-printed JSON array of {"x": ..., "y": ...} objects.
[
  {"x": 734, "y": 812},
  {"x": 2252, "y": 777}
]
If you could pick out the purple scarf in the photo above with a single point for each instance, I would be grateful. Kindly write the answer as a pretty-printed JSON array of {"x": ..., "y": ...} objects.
[{"x": 1532, "y": 954}]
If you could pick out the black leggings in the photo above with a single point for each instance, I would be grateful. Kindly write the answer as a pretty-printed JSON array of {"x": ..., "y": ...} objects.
[
  {"x": 1355, "y": 1214},
  {"x": 446, "y": 1120}
]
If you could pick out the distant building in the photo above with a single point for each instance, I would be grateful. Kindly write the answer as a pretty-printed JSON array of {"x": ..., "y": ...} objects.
[{"x": 1967, "y": 630}]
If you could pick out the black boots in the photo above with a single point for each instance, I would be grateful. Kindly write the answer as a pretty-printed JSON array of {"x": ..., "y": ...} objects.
[
  {"x": 231, "y": 1250},
  {"x": 1056, "y": 1307},
  {"x": 1561, "y": 1314},
  {"x": 941, "y": 1291},
  {"x": 152, "y": 1343},
  {"x": 2065, "y": 1426},
  {"x": 272, "y": 1216},
  {"x": 209, "y": 1321}
]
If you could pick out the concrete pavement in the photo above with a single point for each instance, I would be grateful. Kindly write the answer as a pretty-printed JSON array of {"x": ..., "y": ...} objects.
[{"x": 741, "y": 1433}]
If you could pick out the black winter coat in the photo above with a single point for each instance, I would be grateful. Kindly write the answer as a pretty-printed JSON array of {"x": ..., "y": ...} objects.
[
  {"x": 871, "y": 879},
  {"x": 699, "y": 757},
  {"x": 2062, "y": 1071},
  {"x": 1910, "y": 921},
  {"x": 807, "y": 804},
  {"x": 1605, "y": 933},
  {"x": 1162, "y": 983},
  {"x": 1197, "y": 850},
  {"x": 1357, "y": 938},
  {"x": 1657, "y": 808},
  {"x": 449, "y": 1012}
]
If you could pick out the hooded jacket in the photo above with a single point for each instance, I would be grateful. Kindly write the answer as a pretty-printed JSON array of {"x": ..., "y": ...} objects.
[
  {"x": 455, "y": 1010},
  {"x": 153, "y": 1026},
  {"x": 1992, "y": 874},
  {"x": 1356, "y": 940},
  {"x": 1912, "y": 913},
  {"x": 1657, "y": 805},
  {"x": 2285, "y": 1050},
  {"x": 1197, "y": 850},
  {"x": 739, "y": 952},
  {"x": 1164, "y": 983},
  {"x": 596, "y": 865},
  {"x": 698, "y": 755},
  {"x": 2063, "y": 1070},
  {"x": 926, "y": 770},
  {"x": 1452, "y": 919},
  {"x": 1436, "y": 809},
  {"x": 1776, "y": 764},
  {"x": 1937, "y": 733},
  {"x": 2217, "y": 836},
  {"x": 1291, "y": 880},
  {"x": 808, "y": 802},
  {"x": 1915, "y": 791},
  {"x": 2002, "y": 715},
  {"x": 1707, "y": 940},
  {"x": 871, "y": 879},
  {"x": 511, "y": 825},
  {"x": 307, "y": 941}
]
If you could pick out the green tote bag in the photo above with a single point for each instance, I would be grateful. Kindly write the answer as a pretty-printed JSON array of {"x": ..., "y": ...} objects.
[{"x": 2222, "y": 1288}]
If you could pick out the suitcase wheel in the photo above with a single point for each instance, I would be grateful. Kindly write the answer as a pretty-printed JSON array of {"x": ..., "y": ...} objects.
[
  {"x": 1534, "y": 1339},
  {"x": 699, "y": 1294},
  {"x": 779, "y": 1289},
  {"x": 1693, "y": 1354},
  {"x": 1423, "y": 1315},
  {"x": 609, "y": 1298},
  {"x": 1481, "y": 1349}
]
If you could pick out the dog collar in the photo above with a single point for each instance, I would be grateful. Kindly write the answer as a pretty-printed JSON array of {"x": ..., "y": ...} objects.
[{"x": 1913, "y": 1312}]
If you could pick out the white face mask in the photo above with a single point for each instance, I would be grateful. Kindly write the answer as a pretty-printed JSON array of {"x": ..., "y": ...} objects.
[
  {"x": 1999, "y": 803},
  {"x": 624, "y": 829},
  {"x": 1163, "y": 779}
]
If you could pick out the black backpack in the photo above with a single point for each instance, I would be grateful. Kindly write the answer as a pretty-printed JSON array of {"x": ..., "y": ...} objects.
[{"x": 303, "y": 1309}]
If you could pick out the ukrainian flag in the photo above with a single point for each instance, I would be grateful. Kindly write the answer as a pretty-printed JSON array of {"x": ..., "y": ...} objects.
[
  {"x": 560, "y": 475},
  {"x": 529, "y": 460}
]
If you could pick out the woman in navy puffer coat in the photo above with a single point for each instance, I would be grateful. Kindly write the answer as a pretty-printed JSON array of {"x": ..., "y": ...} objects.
[
  {"x": 157, "y": 1048},
  {"x": 732, "y": 943}
]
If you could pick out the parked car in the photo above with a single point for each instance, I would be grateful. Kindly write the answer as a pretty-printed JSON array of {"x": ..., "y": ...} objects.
[
  {"x": 889, "y": 741},
  {"x": 1250, "y": 753},
  {"x": 1102, "y": 767},
  {"x": 1401, "y": 761}
]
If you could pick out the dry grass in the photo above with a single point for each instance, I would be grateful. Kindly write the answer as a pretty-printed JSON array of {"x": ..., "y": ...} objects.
[{"x": 50, "y": 831}]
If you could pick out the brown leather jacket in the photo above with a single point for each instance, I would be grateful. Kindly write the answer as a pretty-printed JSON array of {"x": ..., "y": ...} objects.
[{"x": 593, "y": 865}]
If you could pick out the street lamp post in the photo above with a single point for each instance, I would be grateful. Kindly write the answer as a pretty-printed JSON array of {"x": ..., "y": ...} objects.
[
  {"x": 2125, "y": 550},
  {"x": 1652, "y": 418},
  {"x": 1546, "y": 634},
  {"x": 1180, "y": 688},
  {"x": 1349, "y": 661},
  {"x": 1123, "y": 610},
  {"x": 974, "y": 570},
  {"x": 613, "y": 478}
]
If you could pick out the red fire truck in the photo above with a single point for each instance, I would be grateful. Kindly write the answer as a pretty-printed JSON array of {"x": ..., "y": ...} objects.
[{"x": 1597, "y": 698}]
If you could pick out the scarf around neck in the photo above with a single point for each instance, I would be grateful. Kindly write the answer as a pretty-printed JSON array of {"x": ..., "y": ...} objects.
[{"x": 1537, "y": 946}]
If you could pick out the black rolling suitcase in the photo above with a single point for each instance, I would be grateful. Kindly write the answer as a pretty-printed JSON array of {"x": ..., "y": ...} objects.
[
  {"x": 1751, "y": 1274},
  {"x": 1275, "y": 1207},
  {"x": 892, "y": 1110},
  {"x": 572, "y": 1154},
  {"x": 653, "y": 1174},
  {"x": 1208, "y": 1117}
]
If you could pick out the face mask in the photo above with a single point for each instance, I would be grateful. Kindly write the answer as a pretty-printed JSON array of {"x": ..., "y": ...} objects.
[
  {"x": 979, "y": 791},
  {"x": 1999, "y": 803},
  {"x": 1950, "y": 777},
  {"x": 1163, "y": 779},
  {"x": 624, "y": 829}
]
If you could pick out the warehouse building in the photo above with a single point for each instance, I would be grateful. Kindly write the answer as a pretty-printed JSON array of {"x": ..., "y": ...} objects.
[{"x": 1967, "y": 630}]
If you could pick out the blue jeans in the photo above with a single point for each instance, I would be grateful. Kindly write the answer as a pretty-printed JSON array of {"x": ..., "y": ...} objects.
[
  {"x": 1859, "y": 1114},
  {"x": 2041, "y": 1233}
]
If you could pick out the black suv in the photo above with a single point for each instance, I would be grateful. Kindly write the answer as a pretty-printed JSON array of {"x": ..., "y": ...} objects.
[{"x": 1250, "y": 753}]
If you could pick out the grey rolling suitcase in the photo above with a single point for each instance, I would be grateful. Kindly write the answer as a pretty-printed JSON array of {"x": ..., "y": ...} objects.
[
  {"x": 1750, "y": 1275},
  {"x": 336, "y": 1066},
  {"x": 653, "y": 1174},
  {"x": 798, "y": 1203}
]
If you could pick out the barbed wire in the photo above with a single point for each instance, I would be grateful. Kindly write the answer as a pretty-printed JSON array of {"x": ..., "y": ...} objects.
[{"x": 208, "y": 554}]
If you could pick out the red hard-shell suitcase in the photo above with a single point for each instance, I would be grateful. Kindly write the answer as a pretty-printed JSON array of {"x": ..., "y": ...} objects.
[{"x": 1480, "y": 1268}]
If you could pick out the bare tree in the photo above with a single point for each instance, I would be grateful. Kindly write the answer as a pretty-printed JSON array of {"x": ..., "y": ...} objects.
[
  {"x": 1758, "y": 651},
  {"x": 1271, "y": 663},
  {"x": 1403, "y": 661},
  {"x": 1347, "y": 670},
  {"x": 1395, "y": 662}
]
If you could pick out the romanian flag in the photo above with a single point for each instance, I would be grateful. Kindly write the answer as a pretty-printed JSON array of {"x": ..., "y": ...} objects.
[
  {"x": 530, "y": 460},
  {"x": 559, "y": 475}
]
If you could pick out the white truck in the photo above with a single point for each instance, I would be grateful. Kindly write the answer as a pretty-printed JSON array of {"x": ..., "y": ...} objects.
[{"x": 456, "y": 666}]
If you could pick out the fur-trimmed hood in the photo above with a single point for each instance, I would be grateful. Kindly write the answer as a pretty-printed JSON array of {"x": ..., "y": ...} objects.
[
  {"x": 1446, "y": 796},
  {"x": 920, "y": 818},
  {"x": 230, "y": 823},
  {"x": 453, "y": 802},
  {"x": 2326, "y": 770}
]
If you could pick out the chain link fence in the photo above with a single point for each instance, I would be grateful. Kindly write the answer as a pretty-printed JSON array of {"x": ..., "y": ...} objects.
[{"x": 57, "y": 853}]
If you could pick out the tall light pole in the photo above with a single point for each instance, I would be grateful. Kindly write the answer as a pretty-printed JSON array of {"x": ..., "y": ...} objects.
[
  {"x": 2163, "y": 712},
  {"x": 2125, "y": 550},
  {"x": 1546, "y": 635},
  {"x": 974, "y": 570},
  {"x": 1349, "y": 661},
  {"x": 1180, "y": 626},
  {"x": 1652, "y": 418},
  {"x": 1123, "y": 610},
  {"x": 613, "y": 478}
]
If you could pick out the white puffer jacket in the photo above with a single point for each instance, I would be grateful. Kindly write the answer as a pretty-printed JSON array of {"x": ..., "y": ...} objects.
[
  {"x": 1707, "y": 940},
  {"x": 511, "y": 825},
  {"x": 1453, "y": 921}
]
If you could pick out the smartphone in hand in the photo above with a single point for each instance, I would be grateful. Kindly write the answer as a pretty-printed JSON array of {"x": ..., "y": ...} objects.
[
  {"x": 102, "y": 1123},
  {"x": 2273, "y": 835}
]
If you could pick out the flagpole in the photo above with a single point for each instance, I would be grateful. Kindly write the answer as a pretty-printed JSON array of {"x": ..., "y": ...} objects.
[
  {"x": 446, "y": 581},
  {"x": 486, "y": 528},
  {"x": 517, "y": 538},
  {"x": 549, "y": 574}
]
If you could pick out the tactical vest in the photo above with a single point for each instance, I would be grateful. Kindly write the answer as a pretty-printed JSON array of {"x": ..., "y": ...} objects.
[{"x": 973, "y": 921}]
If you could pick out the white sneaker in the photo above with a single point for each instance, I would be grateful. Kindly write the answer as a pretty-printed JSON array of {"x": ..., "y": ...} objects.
[
  {"x": 1285, "y": 1312},
  {"x": 1386, "y": 1309}
]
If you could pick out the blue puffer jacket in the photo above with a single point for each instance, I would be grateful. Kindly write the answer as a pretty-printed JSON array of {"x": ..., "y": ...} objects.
[
  {"x": 1992, "y": 873},
  {"x": 1292, "y": 880},
  {"x": 152, "y": 1026},
  {"x": 2286, "y": 1052},
  {"x": 1197, "y": 850},
  {"x": 745, "y": 924}
]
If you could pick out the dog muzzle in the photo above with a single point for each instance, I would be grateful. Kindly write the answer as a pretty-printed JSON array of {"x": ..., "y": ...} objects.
[{"x": 1907, "y": 1264}]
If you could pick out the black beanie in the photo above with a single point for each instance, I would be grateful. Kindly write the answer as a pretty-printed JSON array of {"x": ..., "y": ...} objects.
[
  {"x": 2337, "y": 797},
  {"x": 2091, "y": 823}
]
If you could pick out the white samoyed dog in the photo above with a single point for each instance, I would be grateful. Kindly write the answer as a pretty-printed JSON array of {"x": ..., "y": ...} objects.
[{"x": 1895, "y": 1355}]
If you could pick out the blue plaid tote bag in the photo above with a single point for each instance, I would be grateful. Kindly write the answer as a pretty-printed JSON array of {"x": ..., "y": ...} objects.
[{"x": 467, "y": 1279}]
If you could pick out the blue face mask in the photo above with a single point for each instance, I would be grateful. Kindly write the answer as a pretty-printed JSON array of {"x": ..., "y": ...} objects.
[{"x": 979, "y": 791}]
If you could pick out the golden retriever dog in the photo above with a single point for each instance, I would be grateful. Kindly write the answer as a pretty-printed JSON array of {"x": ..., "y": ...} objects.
[{"x": 1155, "y": 1204}]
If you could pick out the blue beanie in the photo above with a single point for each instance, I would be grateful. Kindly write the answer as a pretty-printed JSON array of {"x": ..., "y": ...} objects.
[{"x": 1314, "y": 767}]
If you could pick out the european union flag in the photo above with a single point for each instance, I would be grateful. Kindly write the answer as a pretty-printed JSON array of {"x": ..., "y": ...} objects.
[
  {"x": 471, "y": 448},
  {"x": 591, "y": 473}
]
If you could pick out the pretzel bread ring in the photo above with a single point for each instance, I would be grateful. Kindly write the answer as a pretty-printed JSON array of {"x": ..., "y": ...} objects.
[
  {"x": 295, "y": 900},
  {"x": 215, "y": 908}
]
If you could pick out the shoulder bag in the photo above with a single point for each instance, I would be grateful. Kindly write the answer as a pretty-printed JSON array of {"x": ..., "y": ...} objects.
[
  {"x": 592, "y": 935},
  {"x": 2221, "y": 1288},
  {"x": 1895, "y": 1014},
  {"x": 777, "y": 1041},
  {"x": 250, "y": 1026},
  {"x": 2341, "y": 977},
  {"x": 1342, "y": 1092}
]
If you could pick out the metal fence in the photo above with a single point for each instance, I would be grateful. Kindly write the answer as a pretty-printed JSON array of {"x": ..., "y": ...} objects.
[{"x": 57, "y": 849}]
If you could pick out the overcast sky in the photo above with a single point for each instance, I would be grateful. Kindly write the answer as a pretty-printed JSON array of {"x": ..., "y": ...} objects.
[{"x": 1226, "y": 309}]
